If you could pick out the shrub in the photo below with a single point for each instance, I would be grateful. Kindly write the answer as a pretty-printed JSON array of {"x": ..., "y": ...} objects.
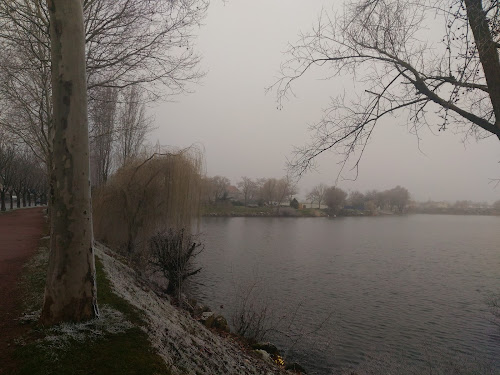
[
  {"x": 162, "y": 191},
  {"x": 252, "y": 317},
  {"x": 172, "y": 254},
  {"x": 288, "y": 212}
]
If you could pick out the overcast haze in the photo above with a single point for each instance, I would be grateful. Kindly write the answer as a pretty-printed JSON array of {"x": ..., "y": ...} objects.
[{"x": 243, "y": 134}]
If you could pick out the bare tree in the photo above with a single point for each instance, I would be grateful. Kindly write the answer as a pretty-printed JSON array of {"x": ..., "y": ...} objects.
[
  {"x": 268, "y": 190},
  {"x": 249, "y": 189},
  {"x": 40, "y": 183},
  {"x": 103, "y": 120},
  {"x": 260, "y": 189},
  {"x": 311, "y": 198},
  {"x": 133, "y": 125},
  {"x": 219, "y": 188},
  {"x": 21, "y": 173},
  {"x": 7, "y": 172},
  {"x": 173, "y": 253},
  {"x": 127, "y": 43},
  {"x": 335, "y": 199},
  {"x": 401, "y": 72},
  {"x": 398, "y": 198},
  {"x": 496, "y": 205},
  {"x": 356, "y": 199},
  {"x": 317, "y": 194},
  {"x": 136, "y": 42},
  {"x": 25, "y": 83},
  {"x": 35, "y": 177},
  {"x": 21, "y": 177},
  {"x": 70, "y": 289},
  {"x": 292, "y": 189},
  {"x": 285, "y": 188},
  {"x": 253, "y": 317},
  {"x": 372, "y": 201}
]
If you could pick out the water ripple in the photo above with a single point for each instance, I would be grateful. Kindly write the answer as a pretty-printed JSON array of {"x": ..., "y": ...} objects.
[{"x": 410, "y": 290}]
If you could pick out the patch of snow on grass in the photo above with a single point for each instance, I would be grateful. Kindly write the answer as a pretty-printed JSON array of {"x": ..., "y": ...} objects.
[
  {"x": 185, "y": 345},
  {"x": 30, "y": 316},
  {"x": 40, "y": 259},
  {"x": 110, "y": 322}
]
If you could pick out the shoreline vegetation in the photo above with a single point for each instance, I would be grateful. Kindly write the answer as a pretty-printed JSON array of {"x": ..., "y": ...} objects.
[
  {"x": 140, "y": 330},
  {"x": 287, "y": 211},
  {"x": 271, "y": 197}
]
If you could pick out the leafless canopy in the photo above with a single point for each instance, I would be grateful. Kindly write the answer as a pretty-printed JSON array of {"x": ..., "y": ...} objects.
[
  {"x": 385, "y": 46},
  {"x": 128, "y": 43},
  {"x": 25, "y": 87}
]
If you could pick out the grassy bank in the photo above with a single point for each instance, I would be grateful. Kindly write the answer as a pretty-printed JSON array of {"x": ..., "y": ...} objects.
[
  {"x": 113, "y": 344},
  {"x": 138, "y": 332}
]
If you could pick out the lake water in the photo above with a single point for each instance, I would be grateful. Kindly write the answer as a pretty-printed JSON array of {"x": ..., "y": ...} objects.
[{"x": 358, "y": 293}]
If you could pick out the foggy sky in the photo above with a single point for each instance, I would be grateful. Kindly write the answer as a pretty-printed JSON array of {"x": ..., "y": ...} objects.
[{"x": 243, "y": 134}]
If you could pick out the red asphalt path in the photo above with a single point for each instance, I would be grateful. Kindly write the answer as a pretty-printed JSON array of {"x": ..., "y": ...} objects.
[{"x": 20, "y": 233}]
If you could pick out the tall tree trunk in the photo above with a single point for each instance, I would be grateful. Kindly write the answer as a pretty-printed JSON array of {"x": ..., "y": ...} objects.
[
  {"x": 2, "y": 200},
  {"x": 24, "y": 198},
  {"x": 70, "y": 290},
  {"x": 11, "y": 200},
  {"x": 487, "y": 49},
  {"x": 18, "y": 199}
]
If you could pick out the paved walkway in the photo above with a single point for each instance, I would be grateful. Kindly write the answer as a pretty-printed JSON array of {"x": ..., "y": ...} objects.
[{"x": 20, "y": 232}]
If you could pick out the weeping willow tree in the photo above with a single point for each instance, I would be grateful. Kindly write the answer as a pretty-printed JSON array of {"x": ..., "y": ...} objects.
[{"x": 146, "y": 196}]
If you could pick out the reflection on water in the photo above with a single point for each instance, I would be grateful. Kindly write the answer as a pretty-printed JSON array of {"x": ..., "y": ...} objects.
[{"x": 354, "y": 290}]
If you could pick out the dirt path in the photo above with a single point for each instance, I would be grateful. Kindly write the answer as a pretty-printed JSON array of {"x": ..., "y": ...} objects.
[{"x": 20, "y": 232}]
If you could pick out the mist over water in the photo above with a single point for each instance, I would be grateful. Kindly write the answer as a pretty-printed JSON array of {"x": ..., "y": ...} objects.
[{"x": 353, "y": 291}]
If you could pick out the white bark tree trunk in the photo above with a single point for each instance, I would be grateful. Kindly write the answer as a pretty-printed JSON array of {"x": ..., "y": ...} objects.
[{"x": 70, "y": 291}]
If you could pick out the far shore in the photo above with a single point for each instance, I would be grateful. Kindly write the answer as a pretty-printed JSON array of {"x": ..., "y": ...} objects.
[{"x": 270, "y": 211}]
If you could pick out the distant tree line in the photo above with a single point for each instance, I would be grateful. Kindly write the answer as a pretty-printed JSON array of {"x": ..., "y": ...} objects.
[
  {"x": 332, "y": 200},
  {"x": 118, "y": 132},
  {"x": 277, "y": 192},
  {"x": 23, "y": 178},
  {"x": 459, "y": 207},
  {"x": 256, "y": 192},
  {"x": 373, "y": 201}
]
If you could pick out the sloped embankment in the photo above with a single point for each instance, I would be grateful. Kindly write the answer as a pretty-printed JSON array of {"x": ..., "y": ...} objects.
[{"x": 186, "y": 346}]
